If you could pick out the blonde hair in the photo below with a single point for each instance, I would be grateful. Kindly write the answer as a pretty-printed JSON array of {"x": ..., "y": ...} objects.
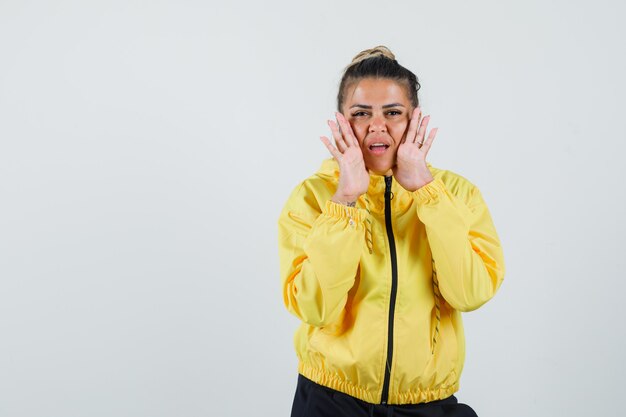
[{"x": 379, "y": 50}]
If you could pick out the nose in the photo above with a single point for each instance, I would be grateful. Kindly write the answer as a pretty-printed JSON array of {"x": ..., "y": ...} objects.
[{"x": 377, "y": 124}]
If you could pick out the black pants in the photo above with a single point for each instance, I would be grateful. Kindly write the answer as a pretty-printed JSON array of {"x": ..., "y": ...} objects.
[{"x": 314, "y": 400}]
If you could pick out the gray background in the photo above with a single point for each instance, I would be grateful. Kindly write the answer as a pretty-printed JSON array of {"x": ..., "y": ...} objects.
[{"x": 148, "y": 147}]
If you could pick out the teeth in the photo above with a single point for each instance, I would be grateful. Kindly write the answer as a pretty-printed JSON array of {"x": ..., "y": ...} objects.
[{"x": 378, "y": 145}]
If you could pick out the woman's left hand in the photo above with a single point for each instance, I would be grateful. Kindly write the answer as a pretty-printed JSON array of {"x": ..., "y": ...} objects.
[{"x": 410, "y": 170}]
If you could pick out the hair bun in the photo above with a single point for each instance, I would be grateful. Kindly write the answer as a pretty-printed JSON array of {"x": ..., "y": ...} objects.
[{"x": 379, "y": 50}]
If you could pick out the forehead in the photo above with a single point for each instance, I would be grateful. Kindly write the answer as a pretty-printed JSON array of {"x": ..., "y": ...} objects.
[{"x": 376, "y": 91}]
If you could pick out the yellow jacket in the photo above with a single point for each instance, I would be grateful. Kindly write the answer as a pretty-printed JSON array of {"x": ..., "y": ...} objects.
[{"x": 380, "y": 307}]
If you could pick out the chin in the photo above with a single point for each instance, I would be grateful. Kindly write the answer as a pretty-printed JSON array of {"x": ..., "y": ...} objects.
[{"x": 380, "y": 169}]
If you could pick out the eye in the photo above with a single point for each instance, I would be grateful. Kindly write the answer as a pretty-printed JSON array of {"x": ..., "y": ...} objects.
[
  {"x": 394, "y": 112},
  {"x": 359, "y": 114}
]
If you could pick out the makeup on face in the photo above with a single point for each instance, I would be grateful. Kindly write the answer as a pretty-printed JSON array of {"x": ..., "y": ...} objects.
[{"x": 378, "y": 110}]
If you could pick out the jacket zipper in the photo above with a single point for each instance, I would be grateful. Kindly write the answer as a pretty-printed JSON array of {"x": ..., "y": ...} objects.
[{"x": 394, "y": 288}]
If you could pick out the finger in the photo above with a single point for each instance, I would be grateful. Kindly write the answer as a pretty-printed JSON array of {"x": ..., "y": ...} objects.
[
  {"x": 339, "y": 143},
  {"x": 412, "y": 131},
  {"x": 339, "y": 139},
  {"x": 340, "y": 147},
  {"x": 356, "y": 141},
  {"x": 333, "y": 151},
  {"x": 422, "y": 130},
  {"x": 429, "y": 141},
  {"x": 346, "y": 129}
]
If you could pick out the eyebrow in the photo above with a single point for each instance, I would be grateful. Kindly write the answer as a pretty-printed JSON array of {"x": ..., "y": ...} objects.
[{"x": 386, "y": 106}]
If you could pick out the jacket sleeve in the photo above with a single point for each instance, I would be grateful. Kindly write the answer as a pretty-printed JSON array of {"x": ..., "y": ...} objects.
[
  {"x": 319, "y": 251},
  {"x": 465, "y": 247}
]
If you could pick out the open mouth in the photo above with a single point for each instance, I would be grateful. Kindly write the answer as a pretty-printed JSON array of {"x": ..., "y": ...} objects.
[{"x": 378, "y": 148}]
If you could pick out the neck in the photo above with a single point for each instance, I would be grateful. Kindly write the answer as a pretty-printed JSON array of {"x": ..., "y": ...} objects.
[{"x": 386, "y": 174}]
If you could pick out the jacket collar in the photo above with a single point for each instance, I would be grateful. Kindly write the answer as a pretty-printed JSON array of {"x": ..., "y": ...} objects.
[
  {"x": 330, "y": 170},
  {"x": 376, "y": 190}
]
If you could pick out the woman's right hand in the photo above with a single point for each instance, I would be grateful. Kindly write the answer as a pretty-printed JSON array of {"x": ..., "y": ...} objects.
[{"x": 354, "y": 178}]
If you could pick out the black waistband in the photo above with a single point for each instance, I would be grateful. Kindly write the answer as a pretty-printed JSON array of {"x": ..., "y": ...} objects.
[{"x": 445, "y": 401}]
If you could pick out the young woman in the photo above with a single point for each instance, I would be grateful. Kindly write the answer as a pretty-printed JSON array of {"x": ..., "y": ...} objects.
[{"x": 380, "y": 252}]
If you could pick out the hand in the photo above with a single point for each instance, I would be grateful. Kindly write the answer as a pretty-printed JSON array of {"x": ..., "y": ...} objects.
[
  {"x": 354, "y": 179},
  {"x": 410, "y": 170}
]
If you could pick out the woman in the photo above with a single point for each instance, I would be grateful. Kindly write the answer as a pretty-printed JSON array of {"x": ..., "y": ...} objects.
[{"x": 380, "y": 252}]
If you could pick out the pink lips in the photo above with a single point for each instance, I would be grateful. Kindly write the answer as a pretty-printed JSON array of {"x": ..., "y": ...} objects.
[{"x": 378, "y": 149}]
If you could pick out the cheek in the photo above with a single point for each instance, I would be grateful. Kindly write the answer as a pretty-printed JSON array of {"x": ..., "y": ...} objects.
[
  {"x": 398, "y": 129},
  {"x": 360, "y": 130}
]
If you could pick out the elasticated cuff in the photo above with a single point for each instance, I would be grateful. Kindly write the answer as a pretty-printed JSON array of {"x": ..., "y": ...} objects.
[
  {"x": 430, "y": 191},
  {"x": 341, "y": 211}
]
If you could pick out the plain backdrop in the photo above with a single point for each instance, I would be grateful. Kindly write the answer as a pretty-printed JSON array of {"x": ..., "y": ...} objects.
[{"x": 147, "y": 148}]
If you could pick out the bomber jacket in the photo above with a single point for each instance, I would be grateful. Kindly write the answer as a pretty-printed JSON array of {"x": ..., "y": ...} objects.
[{"x": 380, "y": 287}]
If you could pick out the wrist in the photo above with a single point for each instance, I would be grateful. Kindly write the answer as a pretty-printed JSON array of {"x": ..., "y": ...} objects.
[
  {"x": 416, "y": 186},
  {"x": 421, "y": 185},
  {"x": 420, "y": 179},
  {"x": 346, "y": 200}
]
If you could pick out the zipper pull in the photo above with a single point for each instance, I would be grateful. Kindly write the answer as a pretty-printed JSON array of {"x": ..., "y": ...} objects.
[{"x": 388, "y": 192}]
